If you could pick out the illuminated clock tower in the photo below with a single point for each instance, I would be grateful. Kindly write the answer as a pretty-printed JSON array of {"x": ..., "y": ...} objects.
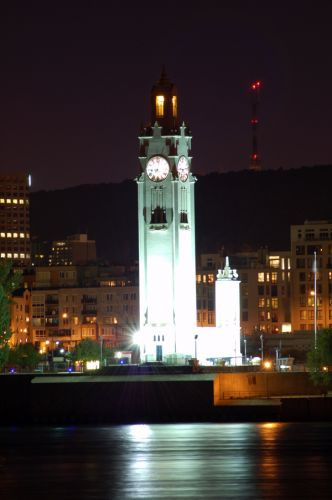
[{"x": 166, "y": 220}]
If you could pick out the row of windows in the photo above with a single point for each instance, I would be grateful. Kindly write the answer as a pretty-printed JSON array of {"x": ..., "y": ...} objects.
[
  {"x": 262, "y": 277},
  {"x": 15, "y": 201},
  {"x": 205, "y": 278},
  {"x": 310, "y": 314},
  {"x": 301, "y": 262},
  {"x": 268, "y": 316},
  {"x": 14, "y": 235},
  {"x": 303, "y": 289},
  {"x": 311, "y": 327},
  {"x": 40, "y": 299},
  {"x": 266, "y": 302},
  {"x": 10, "y": 255}
]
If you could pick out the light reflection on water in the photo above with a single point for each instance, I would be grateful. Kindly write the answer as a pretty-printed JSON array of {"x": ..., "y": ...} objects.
[{"x": 268, "y": 460}]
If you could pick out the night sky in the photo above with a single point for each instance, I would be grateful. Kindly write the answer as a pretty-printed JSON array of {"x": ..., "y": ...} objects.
[{"x": 75, "y": 85}]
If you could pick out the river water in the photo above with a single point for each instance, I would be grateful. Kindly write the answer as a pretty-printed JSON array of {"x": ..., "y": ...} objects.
[{"x": 265, "y": 460}]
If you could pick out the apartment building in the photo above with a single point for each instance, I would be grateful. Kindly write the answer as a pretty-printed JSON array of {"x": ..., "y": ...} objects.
[
  {"x": 264, "y": 290},
  {"x": 14, "y": 218},
  {"x": 71, "y": 303},
  {"x": 74, "y": 250},
  {"x": 20, "y": 317},
  {"x": 306, "y": 240}
]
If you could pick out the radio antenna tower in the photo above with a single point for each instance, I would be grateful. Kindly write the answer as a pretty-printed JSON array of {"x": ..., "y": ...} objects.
[{"x": 255, "y": 159}]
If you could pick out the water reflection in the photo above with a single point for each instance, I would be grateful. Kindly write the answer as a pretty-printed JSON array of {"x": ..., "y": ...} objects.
[{"x": 270, "y": 460}]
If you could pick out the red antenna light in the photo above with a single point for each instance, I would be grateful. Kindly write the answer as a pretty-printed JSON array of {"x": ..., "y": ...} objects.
[
  {"x": 255, "y": 85},
  {"x": 255, "y": 161}
]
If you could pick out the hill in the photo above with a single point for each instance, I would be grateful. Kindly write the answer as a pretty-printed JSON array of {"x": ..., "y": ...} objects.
[{"x": 234, "y": 210}]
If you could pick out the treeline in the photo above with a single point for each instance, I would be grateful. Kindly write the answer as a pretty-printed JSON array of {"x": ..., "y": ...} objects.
[{"x": 235, "y": 210}]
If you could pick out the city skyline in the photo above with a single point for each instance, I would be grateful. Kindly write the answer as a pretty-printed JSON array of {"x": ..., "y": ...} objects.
[{"x": 75, "y": 87}]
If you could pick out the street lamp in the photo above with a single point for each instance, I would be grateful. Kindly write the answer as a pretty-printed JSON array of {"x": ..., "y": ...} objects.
[
  {"x": 196, "y": 337},
  {"x": 315, "y": 298},
  {"x": 262, "y": 345},
  {"x": 101, "y": 351}
]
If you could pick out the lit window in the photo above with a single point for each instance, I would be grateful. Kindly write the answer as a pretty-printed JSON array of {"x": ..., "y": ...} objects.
[
  {"x": 274, "y": 277},
  {"x": 274, "y": 303},
  {"x": 160, "y": 99},
  {"x": 204, "y": 278},
  {"x": 274, "y": 262},
  {"x": 15, "y": 255},
  {"x": 9, "y": 255},
  {"x": 15, "y": 201},
  {"x": 2, "y": 200},
  {"x": 21, "y": 202},
  {"x": 303, "y": 314},
  {"x": 261, "y": 277},
  {"x": 21, "y": 235},
  {"x": 8, "y": 200},
  {"x": 210, "y": 278},
  {"x": 261, "y": 302},
  {"x": 267, "y": 276},
  {"x": 15, "y": 235},
  {"x": 21, "y": 255},
  {"x": 3, "y": 235},
  {"x": 3, "y": 255},
  {"x": 174, "y": 106},
  {"x": 9, "y": 235},
  {"x": 198, "y": 278}
]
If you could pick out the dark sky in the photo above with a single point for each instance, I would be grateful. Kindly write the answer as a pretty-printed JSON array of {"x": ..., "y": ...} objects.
[{"x": 75, "y": 84}]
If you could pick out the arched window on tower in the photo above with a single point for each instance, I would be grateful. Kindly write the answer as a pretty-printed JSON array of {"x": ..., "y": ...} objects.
[
  {"x": 160, "y": 101},
  {"x": 174, "y": 106},
  {"x": 158, "y": 209},
  {"x": 183, "y": 206}
]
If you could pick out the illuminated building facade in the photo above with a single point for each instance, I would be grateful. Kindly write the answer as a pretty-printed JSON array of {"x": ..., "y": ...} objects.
[
  {"x": 70, "y": 303},
  {"x": 69, "y": 315},
  {"x": 264, "y": 290},
  {"x": 74, "y": 250},
  {"x": 14, "y": 218},
  {"x": 306, "y": 239},
  {"x": 20, "y": 317}
]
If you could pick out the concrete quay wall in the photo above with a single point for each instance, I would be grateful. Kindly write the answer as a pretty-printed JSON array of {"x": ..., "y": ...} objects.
[
  {"x": 262, "y": 384},
  {"x": 81, "y": 399}
]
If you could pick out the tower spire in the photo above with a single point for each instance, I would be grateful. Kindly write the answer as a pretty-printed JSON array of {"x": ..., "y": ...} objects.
[{"x": 164, "y": 104}]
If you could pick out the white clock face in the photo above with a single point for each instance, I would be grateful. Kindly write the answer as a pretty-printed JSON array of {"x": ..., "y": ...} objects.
[
  {"x": 183, "y": 168},
  {"x": 157, "y": 168}
]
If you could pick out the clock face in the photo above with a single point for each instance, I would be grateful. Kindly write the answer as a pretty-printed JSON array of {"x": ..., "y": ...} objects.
[
  {"x": 157, "y": 168},
  {"x": 183, "y": 168}
]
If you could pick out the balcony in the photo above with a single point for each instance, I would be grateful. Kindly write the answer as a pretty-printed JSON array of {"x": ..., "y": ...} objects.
[
  {"x": 89, "y": 320},
  {"x": 51, "y": 300},
  {"x": 89, "y": 312},
  {"x": 52, "y": 322},
  {"x": 60, "y": 333},
  {"x": 89, "y": 300}
]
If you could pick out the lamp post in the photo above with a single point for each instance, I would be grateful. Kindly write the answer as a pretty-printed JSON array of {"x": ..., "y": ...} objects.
[
  {"x": 196, "y": 337},
  {"x": 315, "y": 298},
  {"x": 101, "y": 351},
  {"x": 262, "y": 346}
]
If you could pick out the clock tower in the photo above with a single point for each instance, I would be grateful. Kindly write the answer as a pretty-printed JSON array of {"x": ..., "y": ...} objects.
[{"x": 166, "y": 221}]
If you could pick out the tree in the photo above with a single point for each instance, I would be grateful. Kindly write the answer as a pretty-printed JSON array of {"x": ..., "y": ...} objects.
[
  {"x": 320, "y": 359},
  {"x": 87, "y": 350},
  {"x": 10, "y": 280},
  {"x": 24, "y": 356}
]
